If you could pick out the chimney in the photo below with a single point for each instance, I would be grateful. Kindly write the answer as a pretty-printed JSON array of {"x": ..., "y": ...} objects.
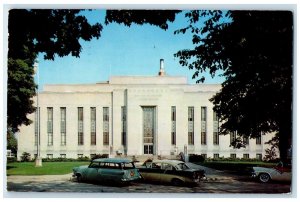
[{"x": 161, "y": 70}]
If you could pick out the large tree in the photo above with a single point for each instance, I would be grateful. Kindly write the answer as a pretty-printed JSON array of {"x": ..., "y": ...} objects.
[
  {"x": 254, "y": 49},
  {"x": 54, "y": 32},
  {"x": 33, "y": 31}
]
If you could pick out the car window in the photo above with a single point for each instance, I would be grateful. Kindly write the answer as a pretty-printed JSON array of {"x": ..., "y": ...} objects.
[
  {"x": 110, "y": 165},
  {"x": 167, "y": 166},
  {"x": 182, "y": 166},
  {"x": 156, "y": 165},
  {"x": 94, "y": 165},
  {"x": 127, "y": 165}
]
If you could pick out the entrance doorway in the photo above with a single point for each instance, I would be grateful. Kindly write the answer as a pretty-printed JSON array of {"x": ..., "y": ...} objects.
[{"x": 149, "y": 129}]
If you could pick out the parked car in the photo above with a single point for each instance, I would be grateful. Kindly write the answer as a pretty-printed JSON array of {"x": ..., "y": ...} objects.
[
  {"x": 170, "y": 171},
  {"x": 281, "y": 172},
  {"x": 107, "y": 170}
]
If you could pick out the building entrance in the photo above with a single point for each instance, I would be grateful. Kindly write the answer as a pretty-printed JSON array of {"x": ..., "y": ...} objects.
[{"x": 149, "y": 129}]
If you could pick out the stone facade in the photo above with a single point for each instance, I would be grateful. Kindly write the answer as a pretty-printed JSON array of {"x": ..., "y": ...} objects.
[{"x": 130, "y": 115}]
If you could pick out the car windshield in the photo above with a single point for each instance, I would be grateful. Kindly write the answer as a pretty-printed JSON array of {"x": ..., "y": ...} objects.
[
  {"x": 127, "y": 165},
  {"x": 182, "y": 166}
]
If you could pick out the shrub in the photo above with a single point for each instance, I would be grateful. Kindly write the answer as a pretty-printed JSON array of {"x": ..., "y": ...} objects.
[
  {"x": 85, "y": 158},
  {"x": 196, "y": 158},
  {"x": 25, "y": 157},
  {"x": 99, "y": 156},
  {"x": 11, "y": 159}
]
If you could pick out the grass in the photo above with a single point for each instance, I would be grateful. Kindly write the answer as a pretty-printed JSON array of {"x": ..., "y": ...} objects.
[{"x": 48, "y": 168}]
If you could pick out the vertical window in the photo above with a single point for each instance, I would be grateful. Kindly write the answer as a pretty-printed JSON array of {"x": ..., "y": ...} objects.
[
  {"x": 246, "y": 156},
  {"x": 63, "y": 156},
  {"x": 258, "y": 139},
  {"x": 63, "y": 126},
  {"x": 215, "y": 129},
  {"x": 204, "y": 156},
  {"x": 93, "y": 125},
  {"x": 190, "y": 125},
  {"x": 259, "y": 157},
  {"x": 232, "y": 137},
  {"x": 50, "y": 125},
  {"x": 124, "y": 124},
  {"x": 216, "y": 156},
  {"x": 80, "y": 125},
  {"x": 105, "y": 126},
  {"x": 173, "y": 122},
  {"x": 246, "y": 140},
  {"x": 49, "y": 156},
  {"x": 203, "y": 125},
  {"x": 233, "y": 156}
]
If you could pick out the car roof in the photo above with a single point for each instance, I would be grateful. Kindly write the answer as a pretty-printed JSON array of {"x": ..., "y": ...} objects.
[
  {"x": 172, "y": 162},
  {"x": 113, "y": 160}
]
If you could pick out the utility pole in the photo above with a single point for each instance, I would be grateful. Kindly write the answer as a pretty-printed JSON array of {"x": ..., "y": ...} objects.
[{"x": 38, "y": 160}]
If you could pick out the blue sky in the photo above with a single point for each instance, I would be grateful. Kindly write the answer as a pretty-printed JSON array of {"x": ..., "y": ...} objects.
[{"x": 121, "y": 50}]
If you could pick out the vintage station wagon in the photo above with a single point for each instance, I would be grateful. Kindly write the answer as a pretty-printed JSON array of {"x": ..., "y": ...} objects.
[{"x": 107, "y": 170}]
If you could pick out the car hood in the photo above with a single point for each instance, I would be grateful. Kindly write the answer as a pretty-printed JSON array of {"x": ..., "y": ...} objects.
[{"x": 194, "y": 170}]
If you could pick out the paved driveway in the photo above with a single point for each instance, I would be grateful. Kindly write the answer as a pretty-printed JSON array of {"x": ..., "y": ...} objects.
[{"x": 218, "y": 182}]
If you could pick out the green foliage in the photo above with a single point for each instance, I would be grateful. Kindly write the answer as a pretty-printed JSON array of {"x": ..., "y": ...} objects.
[
  {"x": 158, "y": 18},
  {"x": 12, "y": 143},
  {"x": 20, "y": 90},
  {"x": 100, "y": 156},
  {"x": 254, "y": 49},
  {"x": 26, "y": 157},
  {"x": 11, "y": 159},
  {"x": 32, "y": 31},
  {"x": 196, "y": 158},
  {"x": 85, "y": 158},
  {"x": 66, "y": 159}
]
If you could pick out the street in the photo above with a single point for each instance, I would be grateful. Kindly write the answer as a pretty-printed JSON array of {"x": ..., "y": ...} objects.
[{"x": 217, "y": 184}]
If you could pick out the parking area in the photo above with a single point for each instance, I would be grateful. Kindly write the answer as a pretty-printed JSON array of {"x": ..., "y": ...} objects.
[{"x": 218, "y": 184}]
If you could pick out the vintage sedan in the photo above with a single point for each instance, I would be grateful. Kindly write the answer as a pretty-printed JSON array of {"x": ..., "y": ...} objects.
[
  {"x": 170, "y": 171},
  {"x": 281, "y": 172},
  {"x": 107, "y": 170}
]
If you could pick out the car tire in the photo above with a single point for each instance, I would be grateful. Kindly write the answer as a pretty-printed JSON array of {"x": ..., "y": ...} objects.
[
  {"x": 264, "y": 177},
  {"x": 79, "y": 178},
  {"x": 177, "y": 182}
]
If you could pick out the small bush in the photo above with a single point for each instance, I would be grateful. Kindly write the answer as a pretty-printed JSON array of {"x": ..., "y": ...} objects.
[
  {"x": 26, "y": 157},
  {"x": 11, "y": 159},
  {"x": 196, "y": 158},
  {"x": 85, "y": 158},
  {"x": 99, "y": 156}
]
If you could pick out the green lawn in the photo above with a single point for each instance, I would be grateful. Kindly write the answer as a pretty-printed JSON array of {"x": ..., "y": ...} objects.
[{"x": 48, "y": 168}]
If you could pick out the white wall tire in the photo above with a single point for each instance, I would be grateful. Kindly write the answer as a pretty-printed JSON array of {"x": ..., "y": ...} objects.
[{"x": 264, "y": 177}]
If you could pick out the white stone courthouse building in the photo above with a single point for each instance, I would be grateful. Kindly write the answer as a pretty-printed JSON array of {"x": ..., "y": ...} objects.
[{"x": 130, "y": 116}]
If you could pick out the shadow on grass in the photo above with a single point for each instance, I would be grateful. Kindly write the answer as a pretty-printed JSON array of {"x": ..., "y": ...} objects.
[{"x": 10, "y": 167}]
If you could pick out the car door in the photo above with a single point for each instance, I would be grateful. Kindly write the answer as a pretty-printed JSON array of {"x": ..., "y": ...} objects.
[
  {"x": 92, "y": 172},
  {"x": 110, "y": 171},
  {"x": 153, "y": 173},
  {"x": 169, "y": 173}
]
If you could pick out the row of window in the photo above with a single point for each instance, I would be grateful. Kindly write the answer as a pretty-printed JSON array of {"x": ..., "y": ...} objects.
[
  {"x": 63, "y": 130},
  {"x": 93, "y": 122}
]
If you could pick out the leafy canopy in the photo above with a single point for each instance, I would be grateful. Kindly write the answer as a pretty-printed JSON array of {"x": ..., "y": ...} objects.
[
  {"x": 254, "y": 49},
  {"x": 49, "y": 31}
]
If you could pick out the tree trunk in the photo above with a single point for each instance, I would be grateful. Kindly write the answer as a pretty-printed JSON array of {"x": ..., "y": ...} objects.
[{"x": 285, "y": 137}]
